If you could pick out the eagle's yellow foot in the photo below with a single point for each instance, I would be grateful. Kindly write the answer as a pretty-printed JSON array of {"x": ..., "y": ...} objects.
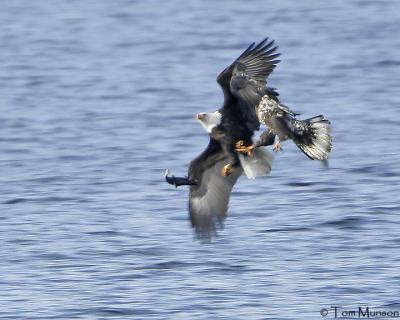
[
  {"x": 240, "y": 147},
  {"x": 226, "y": 170},
  {"x": 277, "y": 147},
  {"x": 239, "y": 144}
]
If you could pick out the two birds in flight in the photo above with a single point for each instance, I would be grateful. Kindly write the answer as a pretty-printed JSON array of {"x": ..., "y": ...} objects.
[{"x": 248, "y": 103}]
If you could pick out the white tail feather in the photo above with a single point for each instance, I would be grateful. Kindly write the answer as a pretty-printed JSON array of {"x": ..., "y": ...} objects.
[{"x": 259, "y": 164}]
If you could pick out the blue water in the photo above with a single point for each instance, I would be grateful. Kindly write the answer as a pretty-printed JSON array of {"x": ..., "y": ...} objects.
[{"x": 97, "y": 98}]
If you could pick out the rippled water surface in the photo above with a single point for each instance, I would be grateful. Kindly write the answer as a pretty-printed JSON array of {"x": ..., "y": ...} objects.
[{"x": 97, "y": 98}]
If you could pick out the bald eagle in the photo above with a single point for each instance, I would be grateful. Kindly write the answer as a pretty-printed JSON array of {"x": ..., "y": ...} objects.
[{"x": 214, "y": 172}]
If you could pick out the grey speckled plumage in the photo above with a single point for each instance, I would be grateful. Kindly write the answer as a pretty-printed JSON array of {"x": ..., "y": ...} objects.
[{"x": 312, "y": 136}]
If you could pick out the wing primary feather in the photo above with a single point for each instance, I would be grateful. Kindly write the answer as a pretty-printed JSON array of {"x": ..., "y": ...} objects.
[
  {"x": 249, "y": 48},
  {"x": 258, "y": 46}
]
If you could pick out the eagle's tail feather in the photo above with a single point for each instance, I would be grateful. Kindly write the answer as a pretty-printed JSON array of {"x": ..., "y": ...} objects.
[
  {"x": 313, "y": 137},
  {"x": 259, "y": 164}
]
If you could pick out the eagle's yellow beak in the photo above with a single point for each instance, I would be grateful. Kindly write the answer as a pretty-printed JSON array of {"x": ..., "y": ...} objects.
[{"x": 200, "y": 116}]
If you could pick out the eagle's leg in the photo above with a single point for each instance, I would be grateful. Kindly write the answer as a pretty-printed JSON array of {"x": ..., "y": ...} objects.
[
  {"x": 267, "y": 138},
  {"x": 233, "y": 160},
  {"x": 227, "y": 170},
  {"x": 277, "y": 146}
]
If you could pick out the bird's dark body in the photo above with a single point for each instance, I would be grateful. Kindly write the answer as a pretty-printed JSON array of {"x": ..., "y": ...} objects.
[{"x": 230, "y": 130}]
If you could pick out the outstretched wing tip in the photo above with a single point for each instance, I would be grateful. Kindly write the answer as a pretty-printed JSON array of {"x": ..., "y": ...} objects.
[
  {"x": 247, "y": 76},
  {"x": 254, "y": 66}
]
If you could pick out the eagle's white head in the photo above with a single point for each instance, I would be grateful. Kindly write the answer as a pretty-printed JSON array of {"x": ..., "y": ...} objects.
[{"x": 209, "y": 120}]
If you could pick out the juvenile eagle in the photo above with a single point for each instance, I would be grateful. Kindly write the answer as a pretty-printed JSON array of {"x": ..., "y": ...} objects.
[{"x": 248, "y": 81}]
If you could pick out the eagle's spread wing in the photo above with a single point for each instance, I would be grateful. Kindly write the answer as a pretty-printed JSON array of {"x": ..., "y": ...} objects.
[
  {"x": 208, "y": 201},
  {"x": 249, "y": 75},
  {"x": 246, "y": 77}
]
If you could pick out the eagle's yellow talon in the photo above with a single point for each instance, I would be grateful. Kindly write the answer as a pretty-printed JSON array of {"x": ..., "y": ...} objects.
[
  {"x": 226, "y": 170},
  {"x": 277, "y": 147},
  {"x": 239, "y": 144},
  {"x": 250, "y": 150},
  {"x": 240, "y": 147}
]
